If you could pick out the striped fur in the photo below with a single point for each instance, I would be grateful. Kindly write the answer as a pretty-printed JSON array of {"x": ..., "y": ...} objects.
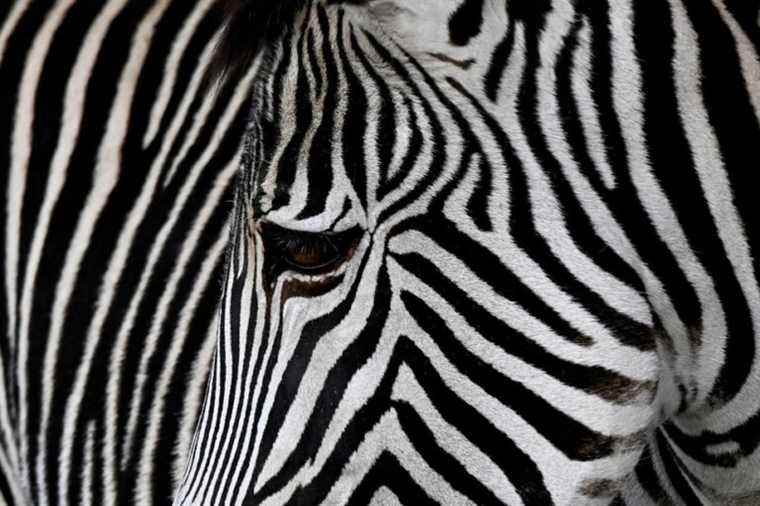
[
  {"x": 117, "y": 172},
  {"x": 555, "y": 296}
]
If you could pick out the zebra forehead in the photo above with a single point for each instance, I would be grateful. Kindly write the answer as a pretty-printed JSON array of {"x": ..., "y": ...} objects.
[{"x": 251, "y": 24}]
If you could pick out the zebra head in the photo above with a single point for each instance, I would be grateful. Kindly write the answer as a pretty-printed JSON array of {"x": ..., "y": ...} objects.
[{"x": 432, "y": 292}]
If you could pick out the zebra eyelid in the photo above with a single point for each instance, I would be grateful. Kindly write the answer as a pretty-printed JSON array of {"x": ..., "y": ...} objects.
[{"x": 307, "y": 253}]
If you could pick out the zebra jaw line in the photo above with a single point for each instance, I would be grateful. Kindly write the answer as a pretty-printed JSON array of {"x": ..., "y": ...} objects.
[{"x": 514, "y": 260}]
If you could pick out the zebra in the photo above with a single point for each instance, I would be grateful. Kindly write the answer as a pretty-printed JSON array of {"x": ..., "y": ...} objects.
[
  {"x": 489, "y": 252},
  {"x": 517, "y": 140},
  {"x": 117, "y": 168}
]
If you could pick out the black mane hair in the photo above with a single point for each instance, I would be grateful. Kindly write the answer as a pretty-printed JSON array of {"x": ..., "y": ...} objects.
[{"x": 248, "y": 25}]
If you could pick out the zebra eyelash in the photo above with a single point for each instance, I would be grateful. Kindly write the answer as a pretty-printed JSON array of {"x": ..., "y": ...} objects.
[
  {"x": 305, "y": 243},
  {"x": 311, "y": 253}
]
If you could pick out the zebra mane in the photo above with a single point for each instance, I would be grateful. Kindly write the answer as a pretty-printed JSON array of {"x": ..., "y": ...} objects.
[{"x": 248, "y": 24}]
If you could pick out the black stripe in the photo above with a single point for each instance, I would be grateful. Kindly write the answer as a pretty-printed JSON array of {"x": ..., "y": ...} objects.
[
  {"x": 319, "y": 169},
  {"x": 674, "y": 474},
  {"x": 355, "y": 119},
  {"x": 499, "y": 62},
  {"x": 646, "y": 474},
  {"x": 466, "y": 22},
  {"x": 286, "y": 169}
]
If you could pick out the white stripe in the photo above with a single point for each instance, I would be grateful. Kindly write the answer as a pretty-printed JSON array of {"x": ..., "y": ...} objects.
[
  {"x": 225, "y": 415},
  {"x": 588, "y": 114},
  {"x": 18, "y": 9},
  {"x": 520, "y": 262},
  {"x": 748, "y": 56},
  {"x": 384, "y": 497},
  {"x": 88, "y": 483}
]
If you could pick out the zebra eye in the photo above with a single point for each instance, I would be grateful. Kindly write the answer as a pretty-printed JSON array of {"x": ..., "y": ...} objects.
[{"x": 307, "y": 252}]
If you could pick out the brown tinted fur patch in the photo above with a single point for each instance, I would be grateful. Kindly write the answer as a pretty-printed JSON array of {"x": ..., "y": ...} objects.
[
  {"x": 600, "y": 488},
  {"x": 299, "y": 288},
  {"x": 588, "y": 448},
  {"x": 625, "y": 391},
  {"x": 631, "y": 443}
]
